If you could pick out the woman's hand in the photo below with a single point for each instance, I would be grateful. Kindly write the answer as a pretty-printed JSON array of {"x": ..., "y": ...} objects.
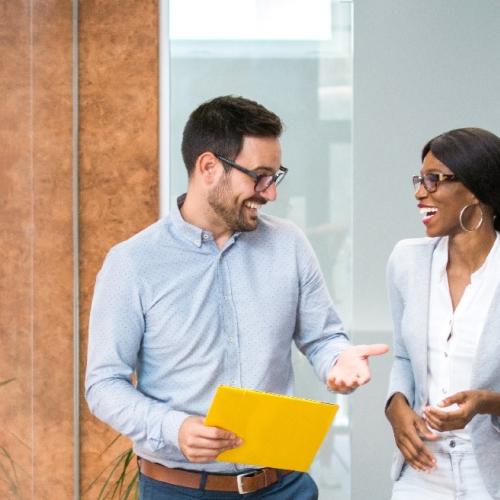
[
  {"x": 410, "y": 431},
  {"x": 468, "y": 403}
]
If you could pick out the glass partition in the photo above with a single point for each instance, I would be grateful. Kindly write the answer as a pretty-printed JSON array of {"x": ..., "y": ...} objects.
[{"x": 296, "y": 59}]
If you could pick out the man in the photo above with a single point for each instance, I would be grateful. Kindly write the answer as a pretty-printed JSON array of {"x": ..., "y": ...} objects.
[{"x": 213, "y": 294}]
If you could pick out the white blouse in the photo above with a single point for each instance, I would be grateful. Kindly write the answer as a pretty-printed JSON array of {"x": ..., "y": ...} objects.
[{"x": 453, "y": 336}]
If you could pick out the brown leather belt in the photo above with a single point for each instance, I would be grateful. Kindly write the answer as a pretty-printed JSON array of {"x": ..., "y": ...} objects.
[{"x": 240, "y": 483}]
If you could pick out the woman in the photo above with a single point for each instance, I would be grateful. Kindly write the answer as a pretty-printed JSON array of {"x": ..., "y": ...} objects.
[{"x": 444, "y": 396}]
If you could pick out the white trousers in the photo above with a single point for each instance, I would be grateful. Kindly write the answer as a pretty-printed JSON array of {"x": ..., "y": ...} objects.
[{"x": 456, "y": 476}]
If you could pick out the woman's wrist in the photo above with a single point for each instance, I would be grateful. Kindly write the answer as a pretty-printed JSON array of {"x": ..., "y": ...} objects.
[
  {"x": 396, "y": 400},
  {"x": 489, "y": 403}
]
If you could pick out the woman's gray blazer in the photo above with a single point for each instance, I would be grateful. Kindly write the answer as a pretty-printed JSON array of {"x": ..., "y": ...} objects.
[{"x": 408, "y": 278}]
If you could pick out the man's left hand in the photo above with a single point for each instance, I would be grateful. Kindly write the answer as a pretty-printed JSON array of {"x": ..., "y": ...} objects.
[{"x": 351, "y": 368}]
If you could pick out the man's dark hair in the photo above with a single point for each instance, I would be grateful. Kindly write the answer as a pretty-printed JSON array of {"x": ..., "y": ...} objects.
[
  {"x": 221, "y": 124},
  {"x": 473, "y": 155}
]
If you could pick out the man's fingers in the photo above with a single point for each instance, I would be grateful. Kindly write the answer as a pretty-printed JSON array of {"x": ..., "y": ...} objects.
[
  {"x": 344, "y": 385},
  {"x": 204, "y": 454},
  {"x": 372, "y": 349},
  {"x": 362, "y": 374},
  {"x": 208, "y": 432},
  {"x": 198, "y": 449},
  {"x": 198, "y": 428},
  {"x": 212, "y": 444},
  {"x": 201, "y": 443}
]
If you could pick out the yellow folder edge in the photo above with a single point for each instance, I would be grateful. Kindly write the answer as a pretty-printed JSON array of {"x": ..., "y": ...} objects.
[{"x": 277, "y": 431}]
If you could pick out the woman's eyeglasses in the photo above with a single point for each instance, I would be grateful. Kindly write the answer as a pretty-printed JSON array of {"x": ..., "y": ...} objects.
[
  {"x": 431, "y": 181},
  {"x": 262, "y": 181}
]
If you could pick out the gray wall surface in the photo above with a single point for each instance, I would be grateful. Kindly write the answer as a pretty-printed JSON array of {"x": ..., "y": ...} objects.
[{"x": 420, "y": 68}]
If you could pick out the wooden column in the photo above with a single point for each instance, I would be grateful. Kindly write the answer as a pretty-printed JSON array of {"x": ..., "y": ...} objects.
[
  {"x": 36, "y": 278},
  {"x": 118, "y": 195},
  {"x": 118, "y": 167}
]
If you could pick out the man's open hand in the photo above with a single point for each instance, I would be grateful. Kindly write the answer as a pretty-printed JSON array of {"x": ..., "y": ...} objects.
[
  {"x": 351, "y": 369},
  {"x": 200, "y": 443}
]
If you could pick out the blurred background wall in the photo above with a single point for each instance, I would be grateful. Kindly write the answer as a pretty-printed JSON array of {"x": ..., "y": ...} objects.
[{"x": 420, "y": 68}]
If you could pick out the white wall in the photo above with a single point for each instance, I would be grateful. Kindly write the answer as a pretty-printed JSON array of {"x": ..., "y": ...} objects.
[{"x": 421, "y": 67}]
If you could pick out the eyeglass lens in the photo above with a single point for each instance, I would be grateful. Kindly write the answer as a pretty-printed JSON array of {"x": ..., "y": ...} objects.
[
  {"x": 266, "y": 180},
  {"x": 429, "y": 181},
  {"x": 263, "y": 183}
]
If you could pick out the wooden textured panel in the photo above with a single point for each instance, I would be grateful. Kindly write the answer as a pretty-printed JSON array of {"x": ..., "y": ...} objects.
[
  {"x": 36, "y": 224},
  {"x": 52, "y": 249},
  {"x": 16, "y": 269},
  {"x": 118, "y": 161}
]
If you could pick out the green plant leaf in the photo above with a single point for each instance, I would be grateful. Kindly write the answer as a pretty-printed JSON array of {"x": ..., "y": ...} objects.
[
  {"x": 133, "y": 487},
  {"x": 108, "y": 481},
  {"x": 10, "y": 477},
  {"x": 123, "y": 487},
  {"x": 110, "y": 444},
  {"x": 124, "y": 473},
  {"x": 89, "y": 487}
]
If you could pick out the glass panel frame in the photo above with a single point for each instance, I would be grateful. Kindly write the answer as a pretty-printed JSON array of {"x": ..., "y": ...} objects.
[{"x": 317, "y": 149}]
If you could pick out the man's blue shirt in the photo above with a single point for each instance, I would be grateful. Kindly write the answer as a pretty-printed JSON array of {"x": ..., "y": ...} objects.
[{"x": 188, "y": 316}]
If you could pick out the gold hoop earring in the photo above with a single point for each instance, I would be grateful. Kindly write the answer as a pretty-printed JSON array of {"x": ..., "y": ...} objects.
[{"x": 477, "y": 226}]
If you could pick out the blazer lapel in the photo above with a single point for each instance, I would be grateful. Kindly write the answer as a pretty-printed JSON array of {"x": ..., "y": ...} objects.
[
  {"x": 420, "y": 287},
  {"x": 485, "y": 368}
]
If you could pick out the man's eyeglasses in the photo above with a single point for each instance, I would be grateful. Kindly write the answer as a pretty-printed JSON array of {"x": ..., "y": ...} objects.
[
  {"x": 262, "y": 181},
  {"x": 431, "y": 181}
]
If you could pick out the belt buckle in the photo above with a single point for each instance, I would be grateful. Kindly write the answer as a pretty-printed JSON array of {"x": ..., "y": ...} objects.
[{"x": 239, "y": 482}]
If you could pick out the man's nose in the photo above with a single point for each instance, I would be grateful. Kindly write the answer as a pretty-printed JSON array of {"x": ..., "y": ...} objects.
[{"x": 270, "y": 193}]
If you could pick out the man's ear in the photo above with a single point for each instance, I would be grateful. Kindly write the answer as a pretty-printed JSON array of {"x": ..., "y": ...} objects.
[{"x": 207, "y": 167}]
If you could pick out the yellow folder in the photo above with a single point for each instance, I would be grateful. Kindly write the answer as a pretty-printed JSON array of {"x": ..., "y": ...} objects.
[{"x": 277, "y": 431}]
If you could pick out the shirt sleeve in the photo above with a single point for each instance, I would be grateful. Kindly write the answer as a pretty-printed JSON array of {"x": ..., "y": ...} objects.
[
  {"x": 319, "y": 333},
  {"x": 116, "y": 330},
  {"x": 401, "y": 378}
]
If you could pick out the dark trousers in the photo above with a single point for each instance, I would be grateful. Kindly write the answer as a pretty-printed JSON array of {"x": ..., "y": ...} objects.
[{"x": 293, "y": 486}]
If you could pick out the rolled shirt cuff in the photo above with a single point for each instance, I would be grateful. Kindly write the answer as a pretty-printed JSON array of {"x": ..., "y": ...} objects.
[
  {"x": 171, "y": 426},
  {"x": 495, "y": 422}
]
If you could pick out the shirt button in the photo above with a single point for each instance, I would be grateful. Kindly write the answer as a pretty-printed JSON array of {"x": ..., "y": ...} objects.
[
  {"x": 444, "y": 390},
  {"x": 445, "y": 354},
  {"x": 230, "y": 340},
  {"x": 452, "y": 443},
  {"x": 205, "y": 236}
]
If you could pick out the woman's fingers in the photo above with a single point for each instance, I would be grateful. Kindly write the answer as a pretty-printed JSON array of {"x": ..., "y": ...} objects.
[{"x": 414, "y": 449}]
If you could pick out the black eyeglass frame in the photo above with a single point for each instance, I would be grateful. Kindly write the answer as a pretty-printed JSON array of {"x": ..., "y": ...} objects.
[
  {"x": 431, "y": 181},
  {"x": 276, "y": 178}
]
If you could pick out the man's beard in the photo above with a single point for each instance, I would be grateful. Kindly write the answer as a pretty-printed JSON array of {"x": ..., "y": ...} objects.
[{"x": 225, "y": 206}]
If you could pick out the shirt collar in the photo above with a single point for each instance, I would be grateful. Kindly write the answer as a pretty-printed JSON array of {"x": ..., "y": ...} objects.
[
  {"x": 441, "y": 258},
  {"x": 190, "y": 232},
  {"x": 187, "y": 231}
]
